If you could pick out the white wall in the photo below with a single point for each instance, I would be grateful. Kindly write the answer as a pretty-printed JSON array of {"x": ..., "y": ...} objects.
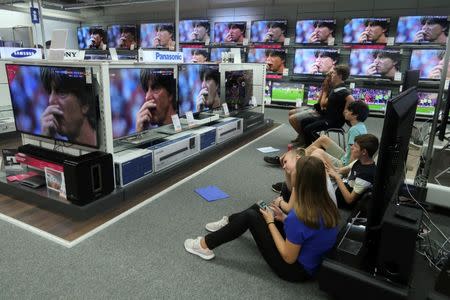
[{"x": 10, "y": 19}]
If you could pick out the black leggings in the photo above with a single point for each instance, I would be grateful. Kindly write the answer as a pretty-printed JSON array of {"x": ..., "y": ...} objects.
[
  {"x": 311, "y": 128},
  {"x": 252, "y": 219}
]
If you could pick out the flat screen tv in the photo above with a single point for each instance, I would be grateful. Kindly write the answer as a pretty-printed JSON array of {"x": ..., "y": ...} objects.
[
  {"x": 391, "y": 162},
  {"x": 366, "y": 31},
  {"x": 429, "y": 62},
  {"x": 141, "y": 99},
  {"x": 275, "y": 59},
  {"x": 194, "y": 31},
  {"x": 315, "y": 31},
  {"x": 422, "y": 29},
  {"x": 268, "y": 31},
  {"x": 383, "y": 63},
  {"x": 92, "y": 37},
  {"x": 196, "y": 55},
  {"x": 375, "y": 98},
  {"x": 57, "y": 103},
  {"x": 122, "y": 37},
  {"x": 230, "y": 32},
  {"x": 287, "y": 92},
  {"x": 315, "y": 61},
  {"x": 238, "y": 89},
  {"x": 157, "y": 36},
  {"x": 427, "y": 102},
  {"x": 198, "y": 88},
  {"x": 313, "y": 94}
]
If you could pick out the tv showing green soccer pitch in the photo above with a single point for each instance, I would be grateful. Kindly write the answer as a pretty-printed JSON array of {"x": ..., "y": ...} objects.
[
  {"x": 290, "y": 92},
  {"x": 427, "y": 103}
]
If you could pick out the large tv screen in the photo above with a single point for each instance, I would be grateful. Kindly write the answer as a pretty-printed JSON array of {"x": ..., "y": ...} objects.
[
  {"x": 375, "y": 98},
  {"x": 375, "y": 62},
  {"x": 229, "y": 32},
  {"x": 268, "y": 31},
  {"x": 427, "y": 102},
  {"x": 122, "y": 36},
  {"x": 238, "y": 89},
  {"x": 422, "y": 29},
  {"x": 141, "y": 99},
  {"x": 54, "y": 102},
  {"x": 194, "y": 31},
  {"x": 93, "y": 37},
  {"x": 274, "y": 58},
  {"x": 315, "y": 31},
  {"x": 313, "y": 94},
  {"x": 366, "y": 31},
  {"x": 157, "y": 35},
  {"x": 196, "y": 55},
  {"x": 317, "y": 61},
  {"x": 287, "y": 92},
  {"x": 198, "y": 88},
  {"x": 430, "y": 63}
]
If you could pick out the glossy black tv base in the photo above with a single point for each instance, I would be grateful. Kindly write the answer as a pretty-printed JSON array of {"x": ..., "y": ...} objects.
[{"x": 345, "y": 276}]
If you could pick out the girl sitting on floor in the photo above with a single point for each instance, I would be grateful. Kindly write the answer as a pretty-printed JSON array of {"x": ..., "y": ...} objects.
[{"x": 292, "y": 243}]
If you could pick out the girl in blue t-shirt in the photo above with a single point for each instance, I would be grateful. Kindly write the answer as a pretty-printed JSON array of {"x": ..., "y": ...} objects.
[{"x": 293, "y": 243}]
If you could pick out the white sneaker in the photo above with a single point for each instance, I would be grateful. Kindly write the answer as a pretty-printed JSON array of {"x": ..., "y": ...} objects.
[
  {"x": 193, "y": 246},
  {"x": 214, "y": 226}
]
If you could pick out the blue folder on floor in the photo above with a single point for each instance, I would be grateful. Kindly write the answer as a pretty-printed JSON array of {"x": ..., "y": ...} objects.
[{"x": 211, "y": 193}]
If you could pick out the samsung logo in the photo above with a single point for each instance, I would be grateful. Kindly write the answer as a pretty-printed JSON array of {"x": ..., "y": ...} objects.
[
  {"x": 23, "y": 53},
  {"x": 174, "y": 57}
]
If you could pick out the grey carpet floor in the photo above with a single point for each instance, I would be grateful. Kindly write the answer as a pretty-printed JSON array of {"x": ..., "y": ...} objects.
[{"x": 142, "y": 255}]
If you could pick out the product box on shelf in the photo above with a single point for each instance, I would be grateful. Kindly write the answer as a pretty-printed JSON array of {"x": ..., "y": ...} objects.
[
  {"x": 228, "y": 128},
  {"x": 132, "y": 164},
  {"x": 207, "y": 136},
  {"x": 176, "y": 148}
]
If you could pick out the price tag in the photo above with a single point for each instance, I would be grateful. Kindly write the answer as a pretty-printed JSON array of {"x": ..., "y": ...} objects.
[
  {"x": 287, "y": 41},
  {"x": 400, "y": 89},
  {"x": 285, "y": 72},
  {"x": 253, "y": 101},
  {"x": 390, "y": 41},
  {"x": 245, "y": 42},
  {"x": 226, "y": 112},
  {"x": 207, "y": 41},
  {"x": 176, "y": 123},
  {"x": 352, "y": 85},
  {"x": 398, "y": 76},
  {"x": 88, "y": 75},
  {"x": 190, "y": 119},
  {"x": 331, "y": 42},
  {"x": 113, "y": 53},
  {"x": 298, "y": 104},
  {"x": 446, "y": 84}
]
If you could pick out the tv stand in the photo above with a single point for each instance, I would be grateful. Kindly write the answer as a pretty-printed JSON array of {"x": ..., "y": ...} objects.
[{"x": 375, "y": 266}]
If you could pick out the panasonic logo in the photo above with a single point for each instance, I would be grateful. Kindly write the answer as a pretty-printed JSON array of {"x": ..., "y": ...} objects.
[
  {"x": 161, "y": 56},
  {"x": 23, "y": 53}
]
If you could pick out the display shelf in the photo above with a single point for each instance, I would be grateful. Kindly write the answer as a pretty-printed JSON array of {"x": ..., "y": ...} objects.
[{"x": 50, "y": 200}]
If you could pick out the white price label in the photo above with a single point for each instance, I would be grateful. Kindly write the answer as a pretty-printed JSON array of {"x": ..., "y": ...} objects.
[
  {"x": 298, "y": 104},
  {"x": 285, "y": 72},
  {"x": 226, "y": 112},
  {"x": 398, "y": 76},
  {"x": 352, "y": 85},
  {"x": 287, "y": 41},
  {"x": 190, "y": 118},
  {"x": 390, "y": 41},
  {"x": 113, "y": 53},
  {"x": 176, "y": 123}
]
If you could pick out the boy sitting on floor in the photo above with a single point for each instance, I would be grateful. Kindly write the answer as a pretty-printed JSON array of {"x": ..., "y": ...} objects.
[
  {"x": 360, "y": 176},
  {"x": 355, "y": 113}
]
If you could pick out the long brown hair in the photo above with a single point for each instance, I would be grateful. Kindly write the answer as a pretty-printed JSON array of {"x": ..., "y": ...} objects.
[{"x": 314, "y": 203}]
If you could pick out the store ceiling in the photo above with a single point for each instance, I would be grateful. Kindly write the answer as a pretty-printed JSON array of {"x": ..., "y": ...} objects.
[{"x": 82, "y": 4}]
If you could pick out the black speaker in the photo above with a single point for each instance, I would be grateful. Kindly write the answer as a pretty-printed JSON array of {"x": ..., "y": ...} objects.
[
  {"x": 88, "y": 177},
  {"x": 399, "y": 229},
  {"x": 411, "y": 79},
  {"x": 443, "y": 281}
]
